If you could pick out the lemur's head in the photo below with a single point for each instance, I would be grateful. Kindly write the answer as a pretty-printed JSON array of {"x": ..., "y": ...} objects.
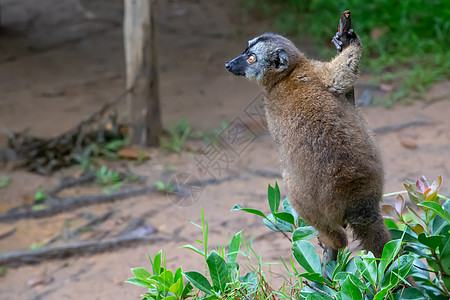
[{"x": 268, "y": 57}]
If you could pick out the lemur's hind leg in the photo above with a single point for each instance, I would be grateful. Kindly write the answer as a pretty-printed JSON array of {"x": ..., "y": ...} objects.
[
  {"x": 332, "y": 240},
  {"x": 329, "y": 254},
  {"x": 342, "y": 71}
]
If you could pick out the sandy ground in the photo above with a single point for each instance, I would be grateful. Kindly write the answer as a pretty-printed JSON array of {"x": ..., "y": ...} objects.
[{"x": 57, "y": 66}]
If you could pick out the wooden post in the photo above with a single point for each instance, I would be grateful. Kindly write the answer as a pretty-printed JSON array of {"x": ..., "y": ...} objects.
[{"x": 142, "y": 71}]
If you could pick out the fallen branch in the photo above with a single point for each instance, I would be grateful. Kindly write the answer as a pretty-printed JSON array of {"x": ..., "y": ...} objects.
[
  {"x": 62, "y": 205},
  {"x": 264, "y": 173},
  {"x": 397, "y": 127},
  {"x": 8, "y": 233},
  {"x": 16, "y": 259},
  {"x": 94, "y": 221},
  {"x": 68, "y": 182},
  {"x": 67, "y": 204}
]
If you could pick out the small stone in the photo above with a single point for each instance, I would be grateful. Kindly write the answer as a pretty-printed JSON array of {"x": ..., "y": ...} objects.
[
  {"x": 387, "y": 87},
  {"x": 408, "y": 143},
  {"x": 42, "y": 279}
]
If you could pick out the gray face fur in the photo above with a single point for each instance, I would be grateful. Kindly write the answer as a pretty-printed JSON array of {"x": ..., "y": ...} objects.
[{"x": 270, "y": 53}]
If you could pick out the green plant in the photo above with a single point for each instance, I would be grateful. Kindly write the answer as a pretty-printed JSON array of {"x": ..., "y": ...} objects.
[
  {"x": 40, "y": 195},
  {"x": 163, "y": 187},
  {"x": 4, "y": 181},
  {"x": 178, "y": 135},
  {"x": 427, "y": 234},
  {"x": 415, "y": 238},
  {"x": 105, "y": 176},
  {"x": 163, "y": 283}
]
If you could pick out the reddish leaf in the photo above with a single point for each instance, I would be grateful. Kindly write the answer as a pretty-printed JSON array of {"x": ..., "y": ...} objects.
[
  {"x": 399, "y": 204},
  {"x": 415, "y": 196},
  {"x": 421, "y": 186},
  {"x": 389, "y": 211},
  {"x": 133, "y": 152},
  {"x": 433, "y": 191}
]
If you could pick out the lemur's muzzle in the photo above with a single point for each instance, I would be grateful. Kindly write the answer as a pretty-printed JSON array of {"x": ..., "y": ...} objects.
[{"x": 238, "y": 65}]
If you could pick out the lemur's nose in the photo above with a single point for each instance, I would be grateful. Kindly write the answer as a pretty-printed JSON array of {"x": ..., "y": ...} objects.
[{"x": 228, "y": 66}]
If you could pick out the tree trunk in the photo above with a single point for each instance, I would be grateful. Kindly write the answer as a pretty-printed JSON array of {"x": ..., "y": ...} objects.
[{"x": 142, "y": 71}]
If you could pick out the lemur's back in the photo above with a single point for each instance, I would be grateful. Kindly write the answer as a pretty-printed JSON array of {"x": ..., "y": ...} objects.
[{"x": 326, "y": 149}]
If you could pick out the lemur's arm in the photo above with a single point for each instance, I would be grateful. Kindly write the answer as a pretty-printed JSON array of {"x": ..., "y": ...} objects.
[{"x": 339, "y": 75}]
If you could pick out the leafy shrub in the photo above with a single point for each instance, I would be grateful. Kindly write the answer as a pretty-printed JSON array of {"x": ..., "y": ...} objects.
[{"x": 416, "y": 238}]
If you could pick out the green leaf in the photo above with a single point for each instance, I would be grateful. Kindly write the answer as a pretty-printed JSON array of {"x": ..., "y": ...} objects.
[
  {"x": 340, "y": 276},
  {"x": 304, "y": 233},
  {"x": 38, "y": 207},
  {"x": 437, "y": 224},
  {"x": 390, "y": 224},
  {"x": 381, "y": 294},
  {"x": 167, "y": 277},
  {"x": 398, "y": 272},
  {"x": 330, "y": 269},
  {"x": 349, "y": 291},
  {"x": 431, "y": 241},
  {"x": 437, "y": 208},
  {"x": 235, "y": 244},
  {"x": 287, "y": 207},
  {"x": 317, "y": 296},
  {"x": 218, "y": 270},
  {"x": 313, "y": 277},
  {"x": 274, "y": 198},
  {"x": 305, "y": 254},
  {"x": 141, "y": 273},
  {"x": 389, "y": 252},
  {"x": 410, "y": 294},
  {"x": 444, "y": 250},
  {"x": 368, "y": 268},
  {"x": 282, "y": 225},
  {"x": 139, "y": 282},
  {"x": 177, "y": 275},
  {"x": 419, "y": 270},
  {"x": 398, "y": 234},
  {"x": 156, "y": 264},
  {"x": 4, "y": 181},
  {"x": 249, "y": 210},
  {"x": 40, "y": 195},
  {"x": 287, "y": 217},
  {"x": 187, "y": 289},
  {"x": 195, "y": 249},
  {"x": 170, "y": 298},
  {"x": 199, "y": 281},
  {"x": 177, "y": 287}
]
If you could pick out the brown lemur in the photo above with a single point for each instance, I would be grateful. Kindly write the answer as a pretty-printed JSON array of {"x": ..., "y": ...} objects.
[{"x": 331, "y": 164}]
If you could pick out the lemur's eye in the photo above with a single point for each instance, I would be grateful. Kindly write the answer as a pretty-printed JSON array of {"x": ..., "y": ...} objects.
[{"x": 251, "y": 58}]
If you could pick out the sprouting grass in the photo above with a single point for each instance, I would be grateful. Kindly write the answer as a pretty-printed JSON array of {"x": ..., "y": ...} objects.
[{"x": 410, "y": 39}]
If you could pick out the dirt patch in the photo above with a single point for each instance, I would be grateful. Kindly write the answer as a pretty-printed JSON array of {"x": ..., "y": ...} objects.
[{"x": 58, "y": 64}]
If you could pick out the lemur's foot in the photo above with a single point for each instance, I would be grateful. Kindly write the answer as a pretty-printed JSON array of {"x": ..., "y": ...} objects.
[{"x": 343, "y": 40}]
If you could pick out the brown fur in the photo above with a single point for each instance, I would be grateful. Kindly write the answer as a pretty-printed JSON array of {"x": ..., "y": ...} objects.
[{"x": 331, "y": 165}]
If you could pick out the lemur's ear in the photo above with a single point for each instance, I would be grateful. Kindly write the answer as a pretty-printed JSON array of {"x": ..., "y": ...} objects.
[{"x": 281, "y": 60}]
